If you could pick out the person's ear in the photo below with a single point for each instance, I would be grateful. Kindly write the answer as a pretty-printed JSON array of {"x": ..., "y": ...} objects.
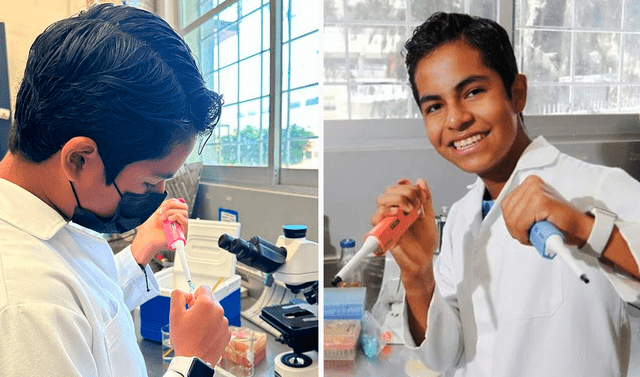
[
  {"x": 519, "y": 93},
  {"x": 80, "y": 158}
]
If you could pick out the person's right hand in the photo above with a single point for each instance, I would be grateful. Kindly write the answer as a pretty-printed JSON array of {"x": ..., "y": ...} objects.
[
  {"x": 201, "y": 331},
  {"x": 415, "y": 249}
]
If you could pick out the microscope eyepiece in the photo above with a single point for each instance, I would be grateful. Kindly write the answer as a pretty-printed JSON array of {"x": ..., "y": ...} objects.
[
  {"x": 225, "y": 241},
  {"x": 256, "y": 252}
]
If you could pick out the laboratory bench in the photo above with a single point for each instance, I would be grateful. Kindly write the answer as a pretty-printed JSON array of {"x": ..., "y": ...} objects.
[
  {"x": 152, "y": 351},
  {"x": 394, "y": 360}
]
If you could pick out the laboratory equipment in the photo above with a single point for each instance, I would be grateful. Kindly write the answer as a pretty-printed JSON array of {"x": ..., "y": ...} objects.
[
  {"x": 167, "y": 349},
  {"x": 380, "y": 239},
  {"x": 176, "y": 241},
  {"x": 440, "y": 221},
  {"x": 293, "y": 263},
  {"x": 347, "y": 252},
  {"x": 244, "y": 351},
  {"x": 341, "y": 339},
  {"x": 549, "y": 242}
]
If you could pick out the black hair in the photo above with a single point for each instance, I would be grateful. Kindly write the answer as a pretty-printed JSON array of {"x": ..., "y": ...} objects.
[
  {"x": 118, "y": 75},
  {"x": 485, "y": 35}
]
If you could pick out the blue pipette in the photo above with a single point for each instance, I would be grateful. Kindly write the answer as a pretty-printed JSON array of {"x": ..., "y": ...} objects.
[{"x": 549, "y": 242}]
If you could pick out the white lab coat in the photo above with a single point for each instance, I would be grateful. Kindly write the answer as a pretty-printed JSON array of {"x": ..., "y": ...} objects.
[
  {"x": 65, "y": 301},
  {"x": 501, "y": 310}
]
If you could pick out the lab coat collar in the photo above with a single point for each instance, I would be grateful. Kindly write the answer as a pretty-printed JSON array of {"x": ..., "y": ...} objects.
[
  {"x": 537, "y": 154},
  {"x": 27, "y": 212}
]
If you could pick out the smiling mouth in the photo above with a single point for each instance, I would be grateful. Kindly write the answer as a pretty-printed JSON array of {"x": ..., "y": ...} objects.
[{"x": 469, "y": 142}]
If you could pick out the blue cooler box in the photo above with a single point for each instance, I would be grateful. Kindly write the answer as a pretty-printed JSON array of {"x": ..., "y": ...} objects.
[{"x": 154, "y": 314}]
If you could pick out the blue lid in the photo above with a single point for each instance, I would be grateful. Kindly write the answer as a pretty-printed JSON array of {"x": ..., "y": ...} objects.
[
  {"x": 348, "y": 243},
  {"x": 294, "y": 231}
]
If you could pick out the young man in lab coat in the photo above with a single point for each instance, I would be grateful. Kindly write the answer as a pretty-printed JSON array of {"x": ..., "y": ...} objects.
[
  {"x": 110, "y": 106},
  {"x": 489, "y": 304}
]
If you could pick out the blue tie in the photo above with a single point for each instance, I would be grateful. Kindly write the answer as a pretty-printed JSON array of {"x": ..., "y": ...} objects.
[{"x": 486, "y": 207}]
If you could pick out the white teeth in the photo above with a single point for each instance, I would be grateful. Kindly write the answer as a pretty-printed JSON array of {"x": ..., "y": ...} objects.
[{"x": 468, "y": 141}]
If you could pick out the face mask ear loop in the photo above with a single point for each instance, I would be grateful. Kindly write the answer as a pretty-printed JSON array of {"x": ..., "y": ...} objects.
[
  {"x": 116, "y": 186},
  {"x": 74, "y": 194},
  {"x": 114, "y": 182}
]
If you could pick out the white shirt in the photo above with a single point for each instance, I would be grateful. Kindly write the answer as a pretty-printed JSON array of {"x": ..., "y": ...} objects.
[
  {"x": 501, "y": 310},
  {"x": 65, "y": 301}
]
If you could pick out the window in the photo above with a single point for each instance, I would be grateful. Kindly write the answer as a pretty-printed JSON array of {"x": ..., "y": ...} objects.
[
  {"x": 261, "y": 86},
  {"x": 579, "y": 57}
]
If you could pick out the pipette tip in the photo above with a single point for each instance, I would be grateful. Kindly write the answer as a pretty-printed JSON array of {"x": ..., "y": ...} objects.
[{"x": 336, "y": 280}]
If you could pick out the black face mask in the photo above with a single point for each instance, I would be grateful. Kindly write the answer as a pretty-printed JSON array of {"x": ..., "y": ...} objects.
[{"x": 133, "y": 210}]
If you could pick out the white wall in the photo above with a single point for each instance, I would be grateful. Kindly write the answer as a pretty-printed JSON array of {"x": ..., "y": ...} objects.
[{"x": 24, "y": 21}]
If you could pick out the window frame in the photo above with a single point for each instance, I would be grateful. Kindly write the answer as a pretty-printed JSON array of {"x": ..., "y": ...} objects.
[{"x": 273, "y": 174}]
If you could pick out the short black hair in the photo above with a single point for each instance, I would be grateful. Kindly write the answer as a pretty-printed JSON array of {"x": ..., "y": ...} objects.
[
  {"x": 485, "y": 35},
  {"x": 118, "y": 75}
]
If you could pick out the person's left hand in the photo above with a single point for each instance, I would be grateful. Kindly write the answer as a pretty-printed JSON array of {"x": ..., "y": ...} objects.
[
  {"x": 150, "y": 238},
  {"x": 534, "y": 200}
]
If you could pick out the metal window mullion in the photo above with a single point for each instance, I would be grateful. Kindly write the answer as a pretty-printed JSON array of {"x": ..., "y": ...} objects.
[
  {"x": 216, "y": 63},
  {"x": 202, "y": 19},
  {"x": 583, "y": 29},
  {"x": 301, "y": 35},
  {"x": 621, "y": 58},
  {"x": 347, "y": 61},
  {"x": 572, "y": 57},
  {"x": 275, "y": 86},
  {"x": 260, "y": 144},
  {"x": 505, "y": 16},
  {"x": 407, "y": 21},
  {"x": 289, "y": 42},
  {"x": 237, "y": 99}
]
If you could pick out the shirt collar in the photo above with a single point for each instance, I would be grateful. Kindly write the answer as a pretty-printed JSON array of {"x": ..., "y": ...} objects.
[{"x": 27, "y": 212}]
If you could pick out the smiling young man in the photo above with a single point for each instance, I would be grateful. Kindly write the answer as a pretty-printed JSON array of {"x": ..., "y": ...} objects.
[
  {"x": 489, "y": 304},
  {"x": 110, "y": 106}
]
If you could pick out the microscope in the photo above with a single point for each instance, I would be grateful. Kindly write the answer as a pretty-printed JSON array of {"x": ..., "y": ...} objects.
[{"x": 293, "y": 261}]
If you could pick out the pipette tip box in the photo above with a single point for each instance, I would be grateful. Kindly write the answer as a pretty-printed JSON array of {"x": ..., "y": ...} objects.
[{"x": 344, "y": 303}]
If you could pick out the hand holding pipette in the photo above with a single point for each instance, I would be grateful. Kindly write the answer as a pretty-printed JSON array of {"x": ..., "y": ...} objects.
[
  {"x": 213, "y": 290},
  {"x": 177, "y": 241},
  {"x": 533, "y": 200},
  {"x": 201, "y": 330},
  {"x": 389, "y": 229}
]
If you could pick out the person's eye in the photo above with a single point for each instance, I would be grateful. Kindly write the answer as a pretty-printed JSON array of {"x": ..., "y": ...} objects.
[
  {"x": 474, "y": 92},
  {"x": 149, "y": 187},
  {"x": 431, "y": 108}
]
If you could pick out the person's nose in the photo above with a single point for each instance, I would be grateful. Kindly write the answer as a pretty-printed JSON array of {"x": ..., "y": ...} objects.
[{"x": 458, "y": 116}]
